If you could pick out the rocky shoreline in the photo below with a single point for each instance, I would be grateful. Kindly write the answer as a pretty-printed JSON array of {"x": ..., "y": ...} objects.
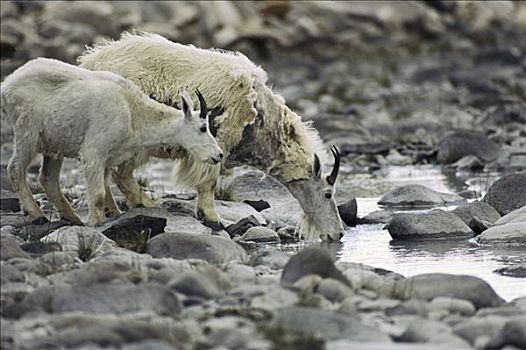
[{"x": 391, "y": 84}]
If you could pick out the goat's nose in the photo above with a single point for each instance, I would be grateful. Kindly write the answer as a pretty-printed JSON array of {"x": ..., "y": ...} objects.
[
  {"x": 341, "y": 235},
  {"x": 221, "y": 155}
]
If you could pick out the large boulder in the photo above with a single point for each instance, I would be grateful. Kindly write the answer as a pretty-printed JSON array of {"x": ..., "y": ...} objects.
[
  {"x": 213, "y": 249},
  {"x": 417, "y": 195},
  {"x": 459, "y": 144},
  {"x": 436, "y": 223},
  {"x": 482, "y": 210},
  {"x": 518, "y": 215},
  {"x": 507, "y": 193},
  {"x": 511, "y": 233},
  {"x": 432, "y": 285},
  {"x": 311, "y": 261}
]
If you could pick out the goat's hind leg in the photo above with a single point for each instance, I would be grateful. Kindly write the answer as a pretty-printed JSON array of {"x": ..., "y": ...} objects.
[
  {"x": 94, "y": 172},
  {"x": 49, "y": 179},
  {"x": 16, "y": 170},
  {"x": 110, "y": 207}
]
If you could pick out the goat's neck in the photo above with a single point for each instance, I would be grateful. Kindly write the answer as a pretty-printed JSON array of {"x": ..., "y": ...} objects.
[{"x": 158, "y": 129}]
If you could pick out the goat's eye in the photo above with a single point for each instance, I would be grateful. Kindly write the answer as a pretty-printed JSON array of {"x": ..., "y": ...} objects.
[
  {"x": 328, "y": 195},
  {"x": 203, "y": 128}
]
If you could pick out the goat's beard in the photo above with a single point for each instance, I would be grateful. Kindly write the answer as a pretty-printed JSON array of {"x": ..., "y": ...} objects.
[{"x": 307, "y": 230}]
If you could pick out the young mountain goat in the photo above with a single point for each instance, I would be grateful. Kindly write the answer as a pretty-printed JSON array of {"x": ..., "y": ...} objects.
[
  {"x": 61, "y": 110},
  {"x": 252, "y": 125}
]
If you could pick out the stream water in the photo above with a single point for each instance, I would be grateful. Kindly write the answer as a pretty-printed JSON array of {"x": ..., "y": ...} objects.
[{"x": 372, "y": 245}]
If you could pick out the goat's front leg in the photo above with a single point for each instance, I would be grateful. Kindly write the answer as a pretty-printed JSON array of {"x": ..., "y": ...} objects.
[
  {"x": 49, "y": 179},
  {"x": 206, "y": 209},
  {"x": 125, "y": 181},
  {"x": 94, "y": 172},
  {"x": 16, "y": 170}
]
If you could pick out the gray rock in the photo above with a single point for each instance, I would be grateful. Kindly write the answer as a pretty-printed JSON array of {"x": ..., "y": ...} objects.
[
  {"x": 432, "y": 285},
  {"x": 470, "y": 163},
  {"x": 235, "y": 211},
  {"x": 508, "y": 234},
  {"x": 348, "y": 211},
  {"x": 453, "y": 305},
  {"x": 512, "y": 334},
  {"x": 116, "y": 297},
  {"x": 287, "y": 234},
  {"x": 478, "y": 226},
  {"x": 516, "y": 270},
  {"x": 326, "y": 325},
  {"x": 378, "y": 216},
  {"x": 240, "y": 227},
  {"x": 275, "y": 299},
  {"x": 261, "y": 234},
  {"x": 435, "y": 223},
  {"x": 272, "y": 258},
  {"x": 459, "y": 144},
  {"x": 417, "y": 196},
  {"x": 35, "y": 231},
  {"x": 180, "y": 246},
  {"x": 518, "y": 215},
  {"x": 429, "y": 331},
  {"x": 480, "y": 330},
  {"x": 240, "y": 273},
  {"x": 482, "y": 210},
  {"x": 36, "y": 249},
  {"x": 311, "y": 260},
  {"x": 82, "y": 239},
  {"x": 10, "y": 249},
  {"x": 231, "y": 332},
  {"x": 207, "y": 282},
  {"x": 334, "y": 290},
  {"x": 130, "y": 225},
  {"x": 507, "y": 193},
  {"x": 9, "y": 201}
]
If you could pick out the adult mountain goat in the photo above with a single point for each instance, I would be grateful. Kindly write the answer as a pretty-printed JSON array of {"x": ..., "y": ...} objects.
[
  {"x": 61, "y": 110},
  {"x": 252, "y": 124}
]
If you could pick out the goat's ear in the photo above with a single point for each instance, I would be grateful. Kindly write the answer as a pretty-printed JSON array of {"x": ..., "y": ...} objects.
[
  {"x": 316, "y": 167},
  {"x": 185, "y": 107}
]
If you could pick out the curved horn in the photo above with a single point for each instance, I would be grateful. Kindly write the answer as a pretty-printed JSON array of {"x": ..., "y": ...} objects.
[
  {"x": 331, "y": 179},
  {"x": 202, "y": 103}
]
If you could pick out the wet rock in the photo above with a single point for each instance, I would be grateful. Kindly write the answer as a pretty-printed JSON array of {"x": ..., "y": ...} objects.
[
  {"x": 10, "y": 249},
  {"x": 507, "y": 193},
  {"x": 516, "y": 270},
  {"x": 9, "y": 201},
  {"x": 481, "y": 210},
  {"x": 511, "y": 233},
  {"x": 287, "y": 234},
  {"x": 261, "y": 234},
  {"x": 518, "y": 215},
  {"x": 240, "y": 227},
  {"x": 471, "y": 163},
  {"x": 417, "y": 195},
  {"x": 348, "y": 211},
  {"x": 309, "y": 261},
  {"x": 179, "y": 246},
  {"x": 326, "y": 325},
  {"x": 378, "y": 216},
  {"x": 207, "y": 282},
  {"x": 132, "y": 224},
  {"x": 478, "y": 226},
  {"x": 429, "y": 331},
  {"x": 259, "y": 205},
  {"x": 432, "y": 285},
  {"x": 436, "y": 223},
  {"x": 460, "y": 144}
]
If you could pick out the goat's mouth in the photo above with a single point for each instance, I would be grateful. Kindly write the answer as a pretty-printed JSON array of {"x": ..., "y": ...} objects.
[{"x": 213, "y": 160}]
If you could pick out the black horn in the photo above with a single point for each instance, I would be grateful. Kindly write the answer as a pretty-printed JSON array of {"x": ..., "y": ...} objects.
[
  {"x": 202, "y": 104},
  {"x": 331, "y": 179}
]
